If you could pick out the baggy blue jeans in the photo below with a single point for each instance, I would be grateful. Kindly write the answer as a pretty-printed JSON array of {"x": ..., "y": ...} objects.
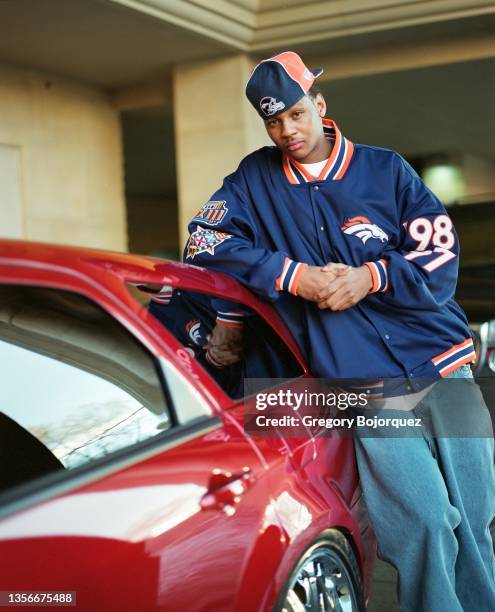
[{"x": 431, "y": 499}]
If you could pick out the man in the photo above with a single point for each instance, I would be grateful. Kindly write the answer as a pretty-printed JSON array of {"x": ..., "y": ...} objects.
[{"x": 361, "y": 259}]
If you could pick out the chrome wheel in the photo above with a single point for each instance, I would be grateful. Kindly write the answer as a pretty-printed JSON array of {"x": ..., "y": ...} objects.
[{"x": 323, "y": 583}]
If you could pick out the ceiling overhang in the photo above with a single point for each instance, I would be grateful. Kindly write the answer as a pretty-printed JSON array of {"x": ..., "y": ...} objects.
[
  {"x": 116, "y": 44},
  {"x": 252, "y": 26}
]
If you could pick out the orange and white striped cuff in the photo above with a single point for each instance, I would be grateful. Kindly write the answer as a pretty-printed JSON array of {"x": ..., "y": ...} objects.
[
  {"x": 379, "y": 274},
  {"x": 230, "y": 319},
  {"x": 290, "y": 276},
  {"x": 454, "y": 357}
]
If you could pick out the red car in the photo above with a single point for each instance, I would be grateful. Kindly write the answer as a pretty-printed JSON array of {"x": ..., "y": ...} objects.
[{"x": 127, "y": 479}]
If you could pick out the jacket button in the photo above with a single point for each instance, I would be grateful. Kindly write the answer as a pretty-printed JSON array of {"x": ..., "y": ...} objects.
[
  {"x": 316, "y": 187},
  {"x": 387, "y": 337}
]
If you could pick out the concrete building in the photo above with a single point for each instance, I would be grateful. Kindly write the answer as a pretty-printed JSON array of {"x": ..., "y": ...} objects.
[{"x": 118, "y": 118}]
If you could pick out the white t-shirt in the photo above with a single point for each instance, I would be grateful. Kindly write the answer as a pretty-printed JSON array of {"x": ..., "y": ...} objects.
[{"x": 316, "y": 168}]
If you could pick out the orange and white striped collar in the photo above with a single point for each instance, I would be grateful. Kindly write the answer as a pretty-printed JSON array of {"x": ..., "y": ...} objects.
[{"x": 336, "y": 166}]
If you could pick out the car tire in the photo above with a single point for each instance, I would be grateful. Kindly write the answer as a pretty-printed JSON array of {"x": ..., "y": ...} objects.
[{"x": 326, "y": 577}]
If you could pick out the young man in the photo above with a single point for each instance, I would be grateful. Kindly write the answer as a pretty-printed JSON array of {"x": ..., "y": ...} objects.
[{"x": 361, "y": 259}]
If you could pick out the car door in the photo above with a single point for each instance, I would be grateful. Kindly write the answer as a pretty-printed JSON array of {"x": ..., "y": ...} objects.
[
  {"x": 312, "y": 478},
  {"x": 124, "y": 487}
]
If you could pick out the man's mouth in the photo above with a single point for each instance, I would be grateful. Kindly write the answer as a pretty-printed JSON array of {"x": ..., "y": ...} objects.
[{"x": 293, "y": 146}]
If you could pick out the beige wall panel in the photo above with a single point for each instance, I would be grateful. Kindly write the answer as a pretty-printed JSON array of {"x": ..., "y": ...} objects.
[
  {"x": 72, "y": 158},
  {"x": 215, "y": 127},
  {"x": 11, "y": 205}
]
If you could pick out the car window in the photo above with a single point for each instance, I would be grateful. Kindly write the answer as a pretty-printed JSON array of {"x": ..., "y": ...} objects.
[
  {"x": 191, "y": 317},
  {"x": 76, "y": 386}
]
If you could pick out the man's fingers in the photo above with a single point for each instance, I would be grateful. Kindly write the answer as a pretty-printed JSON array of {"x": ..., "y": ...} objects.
[
  {"x": 334, "y": 306},
  {"x": 329, "y": 290},
  {"x": 337, "y": 268},
  {"x": 342, "y": 304},
  {"x": 224, "y": 344},
  {"x": 224, "y": 347},
  {"x": 223, "y": 357},
  {"x": 339, "y": 300},
  {"x": 346, "y": 299},
  {"x": 329, "y": 267},
  {"x": 345, "y": 290}
]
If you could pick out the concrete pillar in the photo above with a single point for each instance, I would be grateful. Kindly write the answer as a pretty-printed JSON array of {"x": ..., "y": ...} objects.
[{"x": 215, "y": 127}]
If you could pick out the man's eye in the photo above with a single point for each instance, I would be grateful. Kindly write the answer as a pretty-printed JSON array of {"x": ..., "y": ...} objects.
[{"x": 297, "y": 114}]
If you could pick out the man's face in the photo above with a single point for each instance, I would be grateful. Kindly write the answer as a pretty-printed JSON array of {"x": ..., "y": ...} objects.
[{"x": 298, "y": 131}]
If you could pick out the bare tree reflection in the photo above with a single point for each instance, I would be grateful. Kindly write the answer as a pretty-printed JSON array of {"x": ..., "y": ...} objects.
[{"x": 98, "y": 429}]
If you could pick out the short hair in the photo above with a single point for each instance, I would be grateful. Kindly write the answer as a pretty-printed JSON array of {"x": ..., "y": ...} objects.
[{"x": 314, "y": 91}]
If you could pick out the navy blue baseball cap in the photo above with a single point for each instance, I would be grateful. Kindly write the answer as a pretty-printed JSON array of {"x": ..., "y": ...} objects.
[{"x": 278, "y": 82}]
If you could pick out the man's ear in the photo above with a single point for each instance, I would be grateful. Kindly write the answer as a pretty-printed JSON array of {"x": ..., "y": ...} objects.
[{"x": 321, "y": 105}]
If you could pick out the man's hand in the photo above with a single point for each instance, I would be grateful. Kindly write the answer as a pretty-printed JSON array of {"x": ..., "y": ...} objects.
[
  {"x": 224, "y": 345},
  {"x": 346, "y": 290},
  {"x": 315, "y": 279}
]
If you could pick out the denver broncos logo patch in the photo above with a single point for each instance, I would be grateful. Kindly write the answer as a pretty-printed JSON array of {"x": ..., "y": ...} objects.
[
  {"x": 212, "y": 212},
  {"x": 364, "y": 229},
  {"x": 204, "y": 241}
]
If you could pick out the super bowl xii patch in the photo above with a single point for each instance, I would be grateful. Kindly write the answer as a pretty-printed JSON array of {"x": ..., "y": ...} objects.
[
  {"x": 212, "y": 212},
  {"x": 204, "y": 241}
]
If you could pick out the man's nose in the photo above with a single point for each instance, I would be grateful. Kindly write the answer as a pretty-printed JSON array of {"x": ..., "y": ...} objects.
[{"x": 288, "y": 128}]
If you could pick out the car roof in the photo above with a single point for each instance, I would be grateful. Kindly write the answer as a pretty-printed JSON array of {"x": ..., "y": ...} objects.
[
  {"x": 128, "y": 267},
  {"x": 98, "y": 265}
]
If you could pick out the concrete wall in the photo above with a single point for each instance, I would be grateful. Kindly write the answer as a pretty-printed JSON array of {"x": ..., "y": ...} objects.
[
  {"x": 61, "y": 144},
  {"x": 215, "y": 127}
]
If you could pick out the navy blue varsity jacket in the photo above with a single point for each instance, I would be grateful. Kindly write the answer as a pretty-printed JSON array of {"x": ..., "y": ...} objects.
[{"x": 367, "y": 206}]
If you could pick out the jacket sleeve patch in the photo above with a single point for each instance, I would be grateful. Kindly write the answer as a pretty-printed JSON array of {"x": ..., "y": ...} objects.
[
  {"x": 204, "y": 241},
  {"x": 212, "y": 213}
]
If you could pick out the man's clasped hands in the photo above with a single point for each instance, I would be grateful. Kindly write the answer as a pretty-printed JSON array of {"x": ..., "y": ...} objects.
[{"x": 335, "y": 286}]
